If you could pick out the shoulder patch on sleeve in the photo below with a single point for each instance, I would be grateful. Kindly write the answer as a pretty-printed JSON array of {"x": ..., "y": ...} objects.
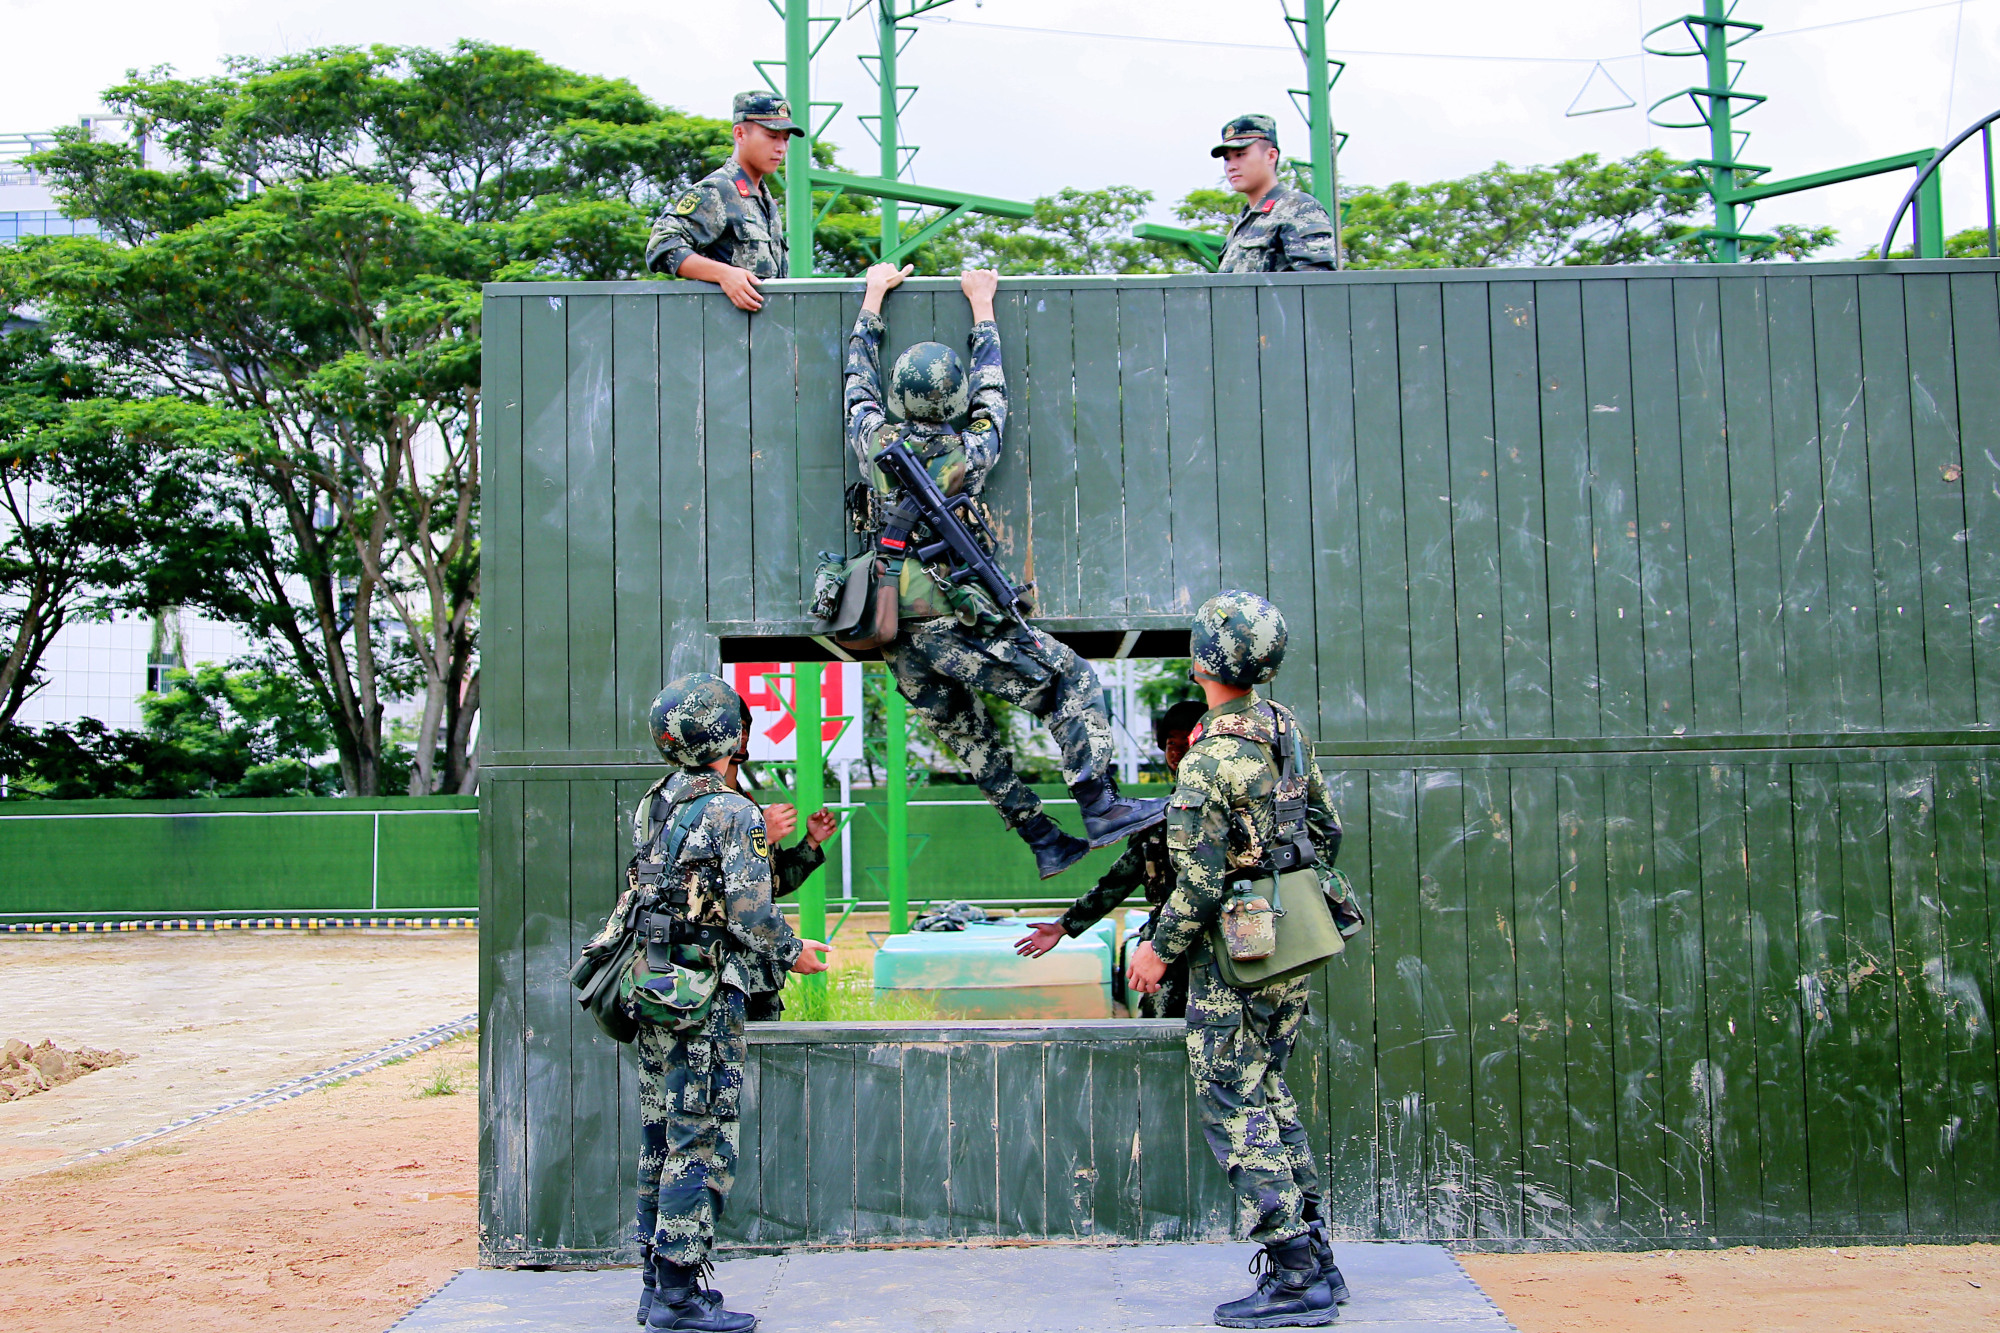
[
  {"x": 687, "y": 203},
  {"x": 759, "y": 844}
]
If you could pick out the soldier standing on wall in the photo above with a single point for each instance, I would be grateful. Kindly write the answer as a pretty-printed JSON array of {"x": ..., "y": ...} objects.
[
  {"x": 790, "y": 866},
  {"x": 1281, "y": 230},
  {"x": 1146, "y": 867},
  {"x": 713, "y": 937},
  {"x": 1221, "y": 818},
  {"x": 953, "y": 641},
  {"x": 727, "y": 229}
]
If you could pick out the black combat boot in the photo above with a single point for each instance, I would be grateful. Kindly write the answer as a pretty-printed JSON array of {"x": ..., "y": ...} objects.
[
  {"x": 1107, "y": 816},
  {"x": 649, "y": 1284},
  {"x": 1055, "y": 851},
  {"x": 1290, "y": 1291},
  {"x": 682, "y": 1305},
  {"x": 1328, "y": 1269}
]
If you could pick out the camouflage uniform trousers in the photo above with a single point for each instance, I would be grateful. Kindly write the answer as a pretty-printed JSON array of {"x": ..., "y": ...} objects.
[
  {"x": 1238, "y": 1042},
  {"x": 690, "y": 1093},
  {"x": 939, "y": 664}
]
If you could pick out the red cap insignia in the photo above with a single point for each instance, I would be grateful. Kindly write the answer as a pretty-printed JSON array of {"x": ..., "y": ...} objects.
[{"x": 743, "y": 187}]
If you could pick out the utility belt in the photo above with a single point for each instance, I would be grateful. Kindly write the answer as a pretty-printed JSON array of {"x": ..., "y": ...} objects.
[{"x": 659, "y": 930}]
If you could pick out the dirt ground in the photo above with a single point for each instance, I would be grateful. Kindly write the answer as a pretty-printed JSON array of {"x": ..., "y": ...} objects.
[
  {"x": 335, "y": 1211},
  {"x": 1882, "y": 1289}
]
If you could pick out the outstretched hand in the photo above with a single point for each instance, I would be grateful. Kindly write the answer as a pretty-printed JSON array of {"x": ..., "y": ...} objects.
[
  {"x": 812, "y": 958},
  {"x": 1045, "y": 936},
  {"x": 821, "y": 825}
]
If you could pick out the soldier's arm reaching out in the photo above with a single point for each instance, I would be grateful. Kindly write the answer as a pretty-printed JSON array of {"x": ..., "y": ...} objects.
[
  {"x": 986, "y": 382},
  {"x": 754, "y": 919},
  {"x": 863, "y": 381}
]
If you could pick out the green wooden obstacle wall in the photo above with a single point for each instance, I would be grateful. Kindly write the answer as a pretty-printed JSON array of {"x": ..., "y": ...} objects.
[{"x": 1647, "y": 619}]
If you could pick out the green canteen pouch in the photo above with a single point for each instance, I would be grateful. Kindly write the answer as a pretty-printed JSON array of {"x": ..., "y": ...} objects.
[
  {"x": 1307, "y": 937},
  {"x": 1343, "y": 902},
  {"x": 677, "y": 999},
  {"x": 1249, "y": 926}
]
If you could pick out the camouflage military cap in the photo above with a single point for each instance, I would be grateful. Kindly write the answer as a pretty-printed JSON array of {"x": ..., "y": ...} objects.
[
  {"x": 761, "y": 108},
  {"x": 1238, "y": 639},
  {"x": 928, "y": 384},
  {"x": 697, "y": 720},
  {"x": 1246, "y": 130}
]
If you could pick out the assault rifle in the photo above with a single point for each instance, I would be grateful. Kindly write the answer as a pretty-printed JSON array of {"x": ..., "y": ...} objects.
[{"x": 962, "y": 541}]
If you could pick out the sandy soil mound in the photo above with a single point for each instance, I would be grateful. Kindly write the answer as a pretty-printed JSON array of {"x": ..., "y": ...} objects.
[{"x": 26, "y": 1070}]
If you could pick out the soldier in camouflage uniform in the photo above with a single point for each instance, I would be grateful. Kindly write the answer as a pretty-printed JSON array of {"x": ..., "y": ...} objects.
[
  {"x": 727, "y": 229},
  {"x": 1144, "y": 868},
  {"x": 692, "y": 1071},
  {"x": 1221, "y": 818},
  {"x": 954, "y": 642},
  {"x": 1281, "y": 230}
]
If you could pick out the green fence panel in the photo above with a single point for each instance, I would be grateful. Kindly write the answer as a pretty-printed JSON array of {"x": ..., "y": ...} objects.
[
  {"x": 67, "y": 860},
  {"x": 1648, "y": 617}
]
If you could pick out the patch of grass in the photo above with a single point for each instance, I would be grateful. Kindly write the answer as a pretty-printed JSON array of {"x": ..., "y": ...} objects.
[
  {"x": 442, "y": 1081},
  {"x": 848, "y": 996}
]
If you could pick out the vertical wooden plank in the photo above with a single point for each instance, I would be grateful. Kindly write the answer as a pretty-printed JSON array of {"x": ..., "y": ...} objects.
[
  {"x": 1116, "y": 1194},
  {"x": 1855, "y": 682},
  {"x": 1614, "y": 553},
  {"x": 1444, "y": 995},
  {"x": 1287, "y": 498},
  {"x": 974, "y": 1133},
  {"x": 1635, "y": 1012},
  {"x": 500, "y": 550},
  {"x": 600, "y": 1183},
  {"x": 784, "y": 1108},
  {"x": 727, "y": 484},
  {"x": 1147, "y": 484},
  {"x": 927, "y": 1155},
  {"x": 1705, "y": 450},
  {"x": 503, "y": 1087},
  {"x": 637, "y": 529},
  {"x": 1239, "y": 439},
  {"x": 1475, "y": 528},
  {"x": 1336, "y": 518},
  {"x": 682, "y": 502},
  {"x": 1426, "y": 503},
  {"x": 1100, "y": 469},
  {"x": 1545, "y": 1153},
  {"x": 878, "y": 1141},
  {"x": 1876, "y": 1100},
  {"x": 1495, "y": 1005},
  {"x": 1807, "y": 615},
  {"x": 742, "y": 1220},
  {"x": 1942, "y": 521},
  {"x": 1165, "y": 1152},
  {"x": 1006, "y": 492},
  {"x": 1892, "y": 481},
  {"x": 773, "y": 530},
  {"x": 1968, "y": 865},
  {"x": 1685, "y": 1068},
  {"x": 1352, "y": 1101},
  {"x": 1385, "y": 578},
  {"x": 1975, "y": 322},
  {"x": 1586, "y": 933},
  {"x": 1730, "y": 1077},
  {"x": 1753, "y": 504},
  {"x": 1922, "y": 1059},
  {"x": 545, "y": 526},
  {"x": 1663, "y": 539},
  {"x": 1190, "y": 371},
  {"x": 593, "y": 635},
  {"x": 832, "y": 1181},
  {"x": 1052, "y": 454},
  {"x": 1830, "y": 1139},
  {"x": 1573, "y": 666},
  {"x": 1399, "y": 1017},
  {"x": 820, "y": 340},
  {"x": 1517, "y": 445},
  {"x": 1069, "y": 1182},
  {"x": 549, "y": 1161},
  {"x": 1019, "y": 1091},
  {"x": 1780, "y": 1036}
]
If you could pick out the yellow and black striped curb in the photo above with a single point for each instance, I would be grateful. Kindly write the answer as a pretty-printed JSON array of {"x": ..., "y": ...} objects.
[{"x": 243, "y": 923}]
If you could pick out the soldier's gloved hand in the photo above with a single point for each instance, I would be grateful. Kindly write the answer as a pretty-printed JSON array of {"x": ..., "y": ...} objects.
[
  {"x": 821, "y": 825},
  {"x": 1045, "y": 936},
  {"x": 740, "y": 286},
  {"x": 1143, "y": 973},
  {"x": 780, "y": 822},
  {"x": 812, "y": 958}
]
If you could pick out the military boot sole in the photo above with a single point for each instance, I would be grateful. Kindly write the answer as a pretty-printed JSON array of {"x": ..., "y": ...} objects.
[
  {"x": 1106, "y": 834},
  {"x": 1303, "y": 1319},
  {"x": 1075, "y": 852}
]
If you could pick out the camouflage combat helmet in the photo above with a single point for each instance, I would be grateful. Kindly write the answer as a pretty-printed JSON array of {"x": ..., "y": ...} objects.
[
  {"x": 696, "y": 720},
  {"x": 1238, "y": 639},
  {"x": 928, "y": 384}
]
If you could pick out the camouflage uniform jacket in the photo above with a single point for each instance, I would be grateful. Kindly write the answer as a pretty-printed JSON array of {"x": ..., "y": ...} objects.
[
  {"x": 725, "y": 218},
  {"x": 725, "y": 866},
  {"x": 1287, "y": 232},
  {"x": 1220, "y": 817},
  {"x": 1143, "y": 865},
  {"x": 958, "y": 459}
]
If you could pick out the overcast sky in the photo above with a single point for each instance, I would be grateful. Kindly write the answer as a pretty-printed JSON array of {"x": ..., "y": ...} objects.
[{"x": 1132, "y": 91}]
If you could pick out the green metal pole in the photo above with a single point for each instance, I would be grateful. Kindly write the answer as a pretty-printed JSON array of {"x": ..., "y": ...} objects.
[
  {"x": 1930, "y": 217},
  {"x": 798, "y": 162},
  {"x": 1319, "y": 103},
  {"x": 886, "y": 35},
  {"x": 808, "y": 788},
  {"x": 1721, "y": 137},
  {"x": 897, "y": 822}
]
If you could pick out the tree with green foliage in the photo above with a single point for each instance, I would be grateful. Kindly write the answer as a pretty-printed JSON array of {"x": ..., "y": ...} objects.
[{"x": 1072, "y": 231}]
